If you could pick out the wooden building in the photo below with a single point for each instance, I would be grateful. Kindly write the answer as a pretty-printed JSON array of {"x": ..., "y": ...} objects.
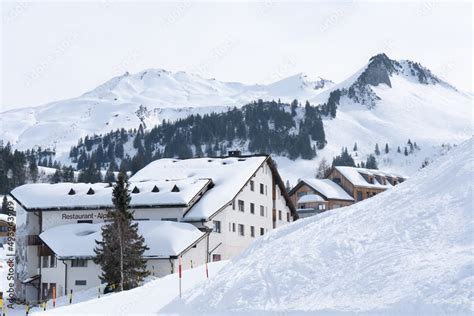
[{"x": 343, "y": 186}]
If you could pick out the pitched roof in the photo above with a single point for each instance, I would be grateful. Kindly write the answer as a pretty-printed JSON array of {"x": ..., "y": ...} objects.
[
  {"x": 228, "y": 175},
  {"x": 355, "y": 176},
  {"x": 328, "y": 188},
  {"x": 47, "y": 196},
  {"x": 310, "y": 198},
  {"x": 164, "y": 239}
]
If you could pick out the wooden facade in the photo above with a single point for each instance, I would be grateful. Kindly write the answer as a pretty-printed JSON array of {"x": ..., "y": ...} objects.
[{"x": 303, "y": 189}]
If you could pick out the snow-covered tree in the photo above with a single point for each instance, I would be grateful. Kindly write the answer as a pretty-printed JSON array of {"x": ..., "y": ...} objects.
[
  {"x": 323, "y": 169},
  {"x": 377, "y": 149}
]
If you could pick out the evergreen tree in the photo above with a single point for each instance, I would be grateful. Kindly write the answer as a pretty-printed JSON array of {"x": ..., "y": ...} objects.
[
  {"x": 120, "y": 253},
  {"x": 355, "y": 147},
  {"x": 406, "y": 152},
  {"x": 287, "y": 186},
  {"x": 371, "y": 162},
  {"x": 386, "y": 149},
  {"x": 377, "y": 150},
  {"x": 33, "y": 169},
  {"x": 399, "y": 150},
  {"x": 323, "y": 169},
  {"x": 5, "y": 205}
]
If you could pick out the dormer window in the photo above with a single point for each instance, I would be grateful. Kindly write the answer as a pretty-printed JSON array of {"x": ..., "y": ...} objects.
[
  {"x": 155, "y": 189},
  {"x": 175, "y": 188},
  {"x": 136, "y": 190},
  {"x": 90, "y": 192},
  {"x": 72, "y": 192}
]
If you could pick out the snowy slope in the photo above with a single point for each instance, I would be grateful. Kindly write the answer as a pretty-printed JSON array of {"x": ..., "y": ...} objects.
[
  {"x": 148, "y": 97},
  {"x": 144, "y": 300},
  {"x": 407, "y": 251}
]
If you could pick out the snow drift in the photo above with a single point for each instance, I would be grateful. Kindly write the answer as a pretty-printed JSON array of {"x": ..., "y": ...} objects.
[{"x": 406, "y": 251}]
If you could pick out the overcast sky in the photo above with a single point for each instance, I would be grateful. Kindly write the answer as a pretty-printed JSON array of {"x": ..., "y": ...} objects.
[{"x": 53, "y": 51}]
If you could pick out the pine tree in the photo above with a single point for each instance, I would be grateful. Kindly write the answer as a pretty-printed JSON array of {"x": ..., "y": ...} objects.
[
  {"x": 5, "y": 205},
  {"x": 33, "y": 169},
  {"x": 323, "y": 169},
  {"x": 355, "y": 147},
  {"x": 387, "y": 150},
  {"x": 120, "y": 253},
  {"x": 406, "y": 152},
  {"x": 377, "y": 150},
  {"x": 371, "y": 162},
  {"x": 287, "y": 186},
  {"x": 399, "y": 150}
]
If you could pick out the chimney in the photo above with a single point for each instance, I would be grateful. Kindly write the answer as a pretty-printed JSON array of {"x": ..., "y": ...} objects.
[{"x": 234, "y": 153}]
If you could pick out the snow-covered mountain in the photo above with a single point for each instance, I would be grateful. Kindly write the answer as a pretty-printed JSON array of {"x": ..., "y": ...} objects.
[
  {"x": 385, "y": 102},
  {"x": 148, "y": 97},
  {"x": 407, "y": 251}
]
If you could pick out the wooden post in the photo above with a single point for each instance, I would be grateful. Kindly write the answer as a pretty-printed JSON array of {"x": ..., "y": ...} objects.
[
  {"x": 54, "y": 296},
  {"x": 180, "y": 276}
]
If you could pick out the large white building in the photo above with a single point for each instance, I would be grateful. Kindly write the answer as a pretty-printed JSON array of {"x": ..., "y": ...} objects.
[{"x": 203, "y": 209}]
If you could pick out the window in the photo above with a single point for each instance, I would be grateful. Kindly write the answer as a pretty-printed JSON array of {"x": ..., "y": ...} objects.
[
  {"x": 279, "y": 215},
  {"x": 241, "y": 206},
  {"x": 241, "y": 230},
  {"x": 217, "y": 227},
  {"x": 252, "y": 208},
  {"x": 78, "y": 263},
  {"x": 262, "y": 231},
  {"x": 169, "y": 219},
  {"x": 262, "y": 210},
  {"x": 252, "y": 186},
  {"x": 359, "y": 195},
  {"x": 288, "y": 216},
  {"x": 233, "y": 204},
  {"x": 252, "y": 231},
  {"x": 52, "y": 261},
  {"x": 45, "y": 261},
  {"x": 321, "y": 207},
  {"x": 81, "y": 282},
  {"x": 216, "y": 257},
  {"x": 262, "y": 188},
  {"x": 233, "y": 227}
]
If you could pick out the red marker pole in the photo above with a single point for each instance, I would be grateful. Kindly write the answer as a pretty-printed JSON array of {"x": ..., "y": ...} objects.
[{"x": 180, "y": 276}]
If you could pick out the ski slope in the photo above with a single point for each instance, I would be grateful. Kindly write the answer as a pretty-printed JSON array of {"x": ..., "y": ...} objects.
[{"x": 407, "y": 251}]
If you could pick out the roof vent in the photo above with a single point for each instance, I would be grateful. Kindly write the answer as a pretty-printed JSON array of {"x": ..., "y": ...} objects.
[
  {"x": 155, "y": 189},
  {"x": 71, "y": 192},
  {"x": 135, "y": 190},
  {"x": 234, "y": 153},
  {"x": 90, "y": 192},
  {"x": 175, "y": 188}
]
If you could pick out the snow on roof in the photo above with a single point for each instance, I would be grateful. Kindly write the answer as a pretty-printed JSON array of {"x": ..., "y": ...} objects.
[
  {"x": 310, "y": 198},
  {"x": 354, "y": 175},
  {"x": 229, "y": 175},
  {"x": 329, "y": 189},
  {"x": 164, "y": 238},
  {"x": 75, "y": 195}
]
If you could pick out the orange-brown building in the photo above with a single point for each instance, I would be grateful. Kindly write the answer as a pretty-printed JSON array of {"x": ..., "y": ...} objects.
[
  {"x": 361, "y": 183},
  {"x": 313, "y": 196},
  {"x": 343, "y": 186}
]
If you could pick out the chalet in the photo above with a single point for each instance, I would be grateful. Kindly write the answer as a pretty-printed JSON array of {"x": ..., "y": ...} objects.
[
  {"x": 361, "y": 183},
  {"x": 197, "y": 210},
  {"x": 313, "y": 196},
  {"x": 343, "y": 186}
]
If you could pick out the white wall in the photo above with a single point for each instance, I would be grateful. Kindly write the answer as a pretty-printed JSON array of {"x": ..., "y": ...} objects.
[
  {"x": 232, "y": 242},
  {"x": 56, "y": 218}
]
